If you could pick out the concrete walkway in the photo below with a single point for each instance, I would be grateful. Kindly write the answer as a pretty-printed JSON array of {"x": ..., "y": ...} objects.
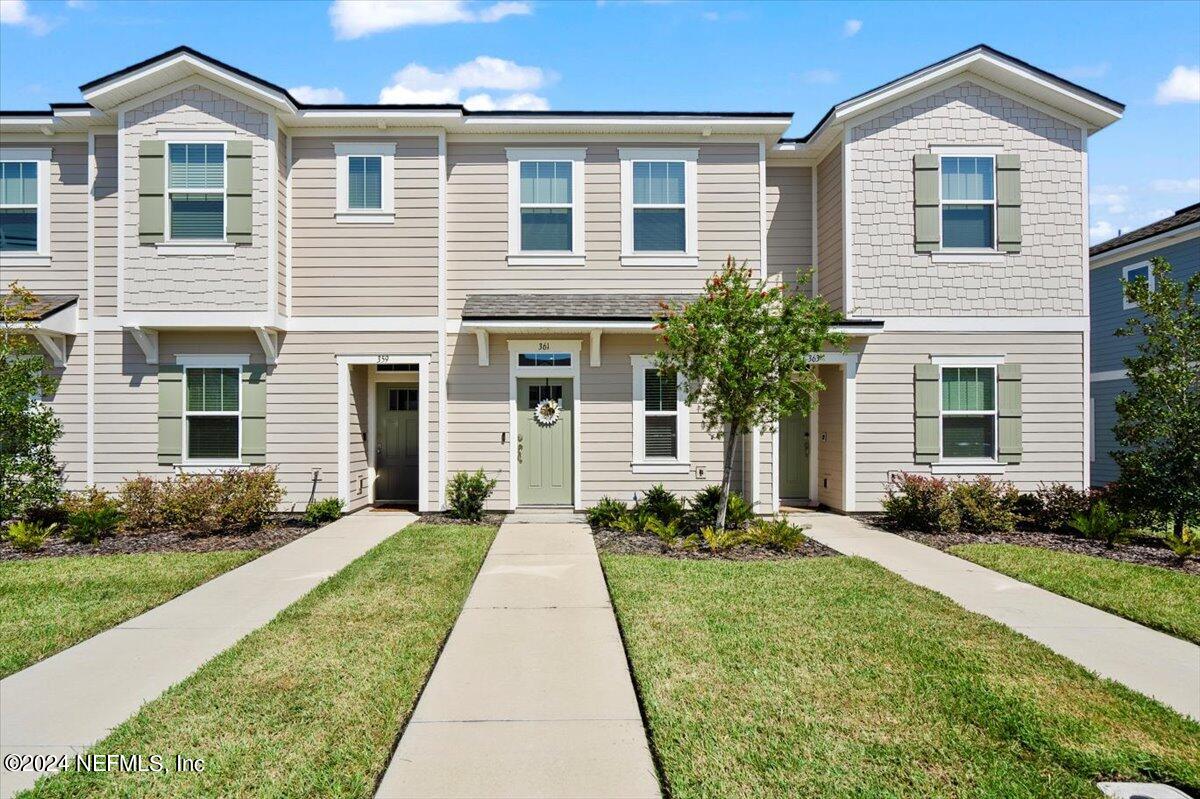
[
  {"x": 71, "y": 700},
  {"x": 532, "y": 695},
  {"x": 1156, "y": 664}
]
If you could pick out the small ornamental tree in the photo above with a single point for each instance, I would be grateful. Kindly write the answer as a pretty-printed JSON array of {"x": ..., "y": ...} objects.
[
  {"x": 742, "y": 348},
  {"x": 29, "y": 474},
  {"x": 1158, "y": 422}
]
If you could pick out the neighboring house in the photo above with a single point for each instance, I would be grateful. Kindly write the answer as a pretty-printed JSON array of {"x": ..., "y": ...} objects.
[
  {"x": 373, "y": 297},
  {"x": 1177, "y": 239}
]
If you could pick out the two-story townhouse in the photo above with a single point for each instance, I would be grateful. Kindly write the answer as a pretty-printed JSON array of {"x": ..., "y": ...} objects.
[
  {"x": 1127, "y": 257},
  {"x": 373, "y": 297}
]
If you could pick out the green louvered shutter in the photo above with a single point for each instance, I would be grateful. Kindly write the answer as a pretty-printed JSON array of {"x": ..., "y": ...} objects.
[
  {"x": 926, "y": 195},
  {"x": 927, "y": 378},
  {"x": 254, "y": 414},
  {"x": 151, "y": 186},
  {"x": 1008, "y": 202},
  {"x": 1008, "y": 406},
  {"x": 238, "y": 180},
  {"x": 170, "y": 415}
]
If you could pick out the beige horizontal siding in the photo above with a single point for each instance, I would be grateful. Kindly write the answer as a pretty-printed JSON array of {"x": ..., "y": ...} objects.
[
  {"x": 104, "y": 225},
  {"x": 789, "y": 223},
  {"x": 69, "y": 402},
  {"x": 829, "y": 229},
  {"x": 67, "y": 271},
  {"x": 1051, "y": 393},
  {"x": 477, "y": 223},
  {"x": 343, "y": 269}
]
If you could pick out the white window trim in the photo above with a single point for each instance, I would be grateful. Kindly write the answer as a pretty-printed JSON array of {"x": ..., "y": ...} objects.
[
  {"x": 640, "y": 464},
  {"x": 540, "y": 258},
  {"x": 386, "y": 213},
  {"x": 203, "y": 246},
  {"x": 41, "y": 158},
  {"x": 990, "y": 465},
  {"x": 966, "y": 254},
  {"x": 189, "y": 362},
  {"x": 690, "y": 256},
  {"x": 1125, "y": 270}
]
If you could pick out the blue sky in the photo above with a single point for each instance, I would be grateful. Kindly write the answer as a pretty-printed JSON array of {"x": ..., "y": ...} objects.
[{"x": 656, "y": 55}]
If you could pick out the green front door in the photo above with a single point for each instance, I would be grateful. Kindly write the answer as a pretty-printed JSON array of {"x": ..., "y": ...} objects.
[
  {"x": 545, "y": 461},
  {"x": 397, "y": 442},
  {"x": 793, "y": 457}
]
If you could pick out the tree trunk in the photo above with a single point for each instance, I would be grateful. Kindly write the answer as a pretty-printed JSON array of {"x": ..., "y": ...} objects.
[
  {"x": 726, "y": 475},
  {"x": 1178, "y": 526}
]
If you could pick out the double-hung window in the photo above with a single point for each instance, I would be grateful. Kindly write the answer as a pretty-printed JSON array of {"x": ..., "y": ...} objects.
[
  {"x": 968, "y": 200},
  {"x": 658, "y": 207},
  {"x": 968, "y": 411},
  {"x": 545, "y": 206},
  {"x": 1139, "y": 271},
  {"x": 662, "y": 415},
  {"x": 196, "y": 191},
  {"x": 660, "y": 421},
  {"x": 366, "y": 179},
  {"x": 212, "y": 414},
  {"x": 24, "y": 203}
]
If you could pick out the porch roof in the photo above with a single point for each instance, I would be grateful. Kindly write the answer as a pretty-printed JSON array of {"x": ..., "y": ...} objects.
[
  {"x": 44, "y": 306},
  {"x": 569, "y": 307}
]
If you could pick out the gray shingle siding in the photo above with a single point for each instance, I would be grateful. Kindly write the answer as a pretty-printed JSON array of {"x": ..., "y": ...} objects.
[{"x": 1104, "y": 395}]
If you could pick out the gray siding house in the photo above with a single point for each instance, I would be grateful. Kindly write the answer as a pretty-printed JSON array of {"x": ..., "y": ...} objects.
[
  {"x": 373, "y": 297},
  {"x": 1175, "y": 238}
]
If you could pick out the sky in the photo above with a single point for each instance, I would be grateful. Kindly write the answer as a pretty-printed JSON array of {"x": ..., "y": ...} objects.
[{"x": 692, "y": 56}]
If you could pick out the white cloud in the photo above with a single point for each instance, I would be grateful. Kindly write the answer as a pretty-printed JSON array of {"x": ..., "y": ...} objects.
[
  {"x": 851, "y": 27},
  {"x": 1181, "y": 86},
  {"x": 1087, "y": 71},
  {"x": 16, "y": 12},
  {"x": 1101, "y": 231},
  {"x": 318, "y": 96},
  {"x": 419, "y": 84},
  {"x": 1174, "y": 186},
  {"x": 820, "y": 76},
  {"x": 81, "y": 5},
  {"x": 354, "y": 18},
  {"x": 1114, "y": 199}
]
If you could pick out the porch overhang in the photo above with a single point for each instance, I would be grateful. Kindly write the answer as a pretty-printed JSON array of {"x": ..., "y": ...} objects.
[
  {"x": 145, "y": 329},
  {"x": 50, "y": 319}
]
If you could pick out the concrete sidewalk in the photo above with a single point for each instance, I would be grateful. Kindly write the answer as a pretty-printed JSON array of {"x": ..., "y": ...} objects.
[
  {"x": 1156, "y": 664},
  {"x": 71, "y": 700},
  {"x": 532, "y": 695}
]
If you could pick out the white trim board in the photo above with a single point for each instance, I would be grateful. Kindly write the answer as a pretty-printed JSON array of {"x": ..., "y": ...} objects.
[{"x": 1111, "y": 374}]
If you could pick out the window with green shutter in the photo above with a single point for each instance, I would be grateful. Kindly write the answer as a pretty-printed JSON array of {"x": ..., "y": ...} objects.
[
  {"x": 212, "y": 414},
  {"x": 196, "y": 190},
  {"x": 968, "y": 413},
  {"x": 662, "y": 416}
]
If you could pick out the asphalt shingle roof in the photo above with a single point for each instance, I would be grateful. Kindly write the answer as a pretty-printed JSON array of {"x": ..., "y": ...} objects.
[
  {"x": 46, "y": 305},
  {"x": 629, "y": 307},
  {"x": 1182, "y": 217}
]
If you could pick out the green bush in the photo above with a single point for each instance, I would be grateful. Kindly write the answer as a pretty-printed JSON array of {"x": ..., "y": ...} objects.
[
  {"x": 1101, "y": 523},
  {"x": 667, "y": 532},
  {"x": 467, "y": 493},
  {"x": 247, "y": 498},
  {"x": 722, "y": 540},
  {"x": 28, "y": 536},
  {"x": 605, "y": 513},
  {"x": 141, "y": 502},
  {"x": 1053, "y": 506},
  {"x": 323, "y": 511},
  {"x": 229, "y": 501},
  {"x": 702, "y": 510},
  {"x": 984, "y": 505},
  {"x": 92, "y": 514},
  {"x": 1185, "y": 545},
  {"x": 920, "y": 503},
  {"x": 776, "y": 534},
  {"x": 661, "y": 504},
  {"x": 634, "y": 520}
]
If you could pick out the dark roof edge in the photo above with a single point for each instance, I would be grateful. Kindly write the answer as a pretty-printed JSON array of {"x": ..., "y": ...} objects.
[
  {"x": 1156, "y": 228},
  {"x": 468, "y": 317}
]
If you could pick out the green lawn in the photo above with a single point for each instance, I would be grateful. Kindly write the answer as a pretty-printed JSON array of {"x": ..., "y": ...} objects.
[
  {"x": 1160, "y": 598},
  {"x": 832, "y": 677},
  {"x": 49, "y": 604},
  {"x": 311, "y": 704}
]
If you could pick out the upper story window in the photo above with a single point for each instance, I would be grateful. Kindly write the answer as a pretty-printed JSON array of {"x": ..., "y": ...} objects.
[
  {"x": 968, "y": 412},
  {"x": 24, "y": 203},
  {"x": 968, "y": 199},
  {"x": 658, "y": 207},
  {"x": 196, "y": 190},
  {"x": 545, "y": 207},
  {"x": 1139, "y": 271},
  {"x": 365, "y": 182}
]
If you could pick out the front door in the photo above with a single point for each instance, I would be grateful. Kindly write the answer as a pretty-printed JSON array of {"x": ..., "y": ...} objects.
[
  {"x": 397, "y": 442},
  {"x": 793, "y": 457},
  {"x": 545, "y": 460}
]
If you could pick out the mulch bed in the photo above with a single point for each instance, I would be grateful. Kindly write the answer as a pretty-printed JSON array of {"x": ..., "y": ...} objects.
[
  {"x": 268, "y": 538},
  {"x": 1142, "y": 550},
  {"x": 638, "y": 544},
  {"x": 489, "y": 519}
]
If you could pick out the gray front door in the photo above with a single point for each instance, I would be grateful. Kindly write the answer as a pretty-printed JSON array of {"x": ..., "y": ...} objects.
[
  {"x": 545, "y": 445},
  {"x": 397, "y": 442},
  {"x": 793, "y": 457}
]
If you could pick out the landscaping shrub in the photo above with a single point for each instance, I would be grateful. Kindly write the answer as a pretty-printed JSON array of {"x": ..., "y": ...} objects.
[
  {"x": 919, "y": 503},
  {"x": 467, "y": 493},
  {"x": 984, "y": 505},
  {"x": 141, "y": 503},
  {"x": 702, "y": 510},
  {"x": 1053, "y": 506},
  {"x": 1185, "y": 545},
  {"x": 28, "y": 536},
  {"x": 667, "y": 532},
  {"x": 247, "y": 498},
  {"x": 722, "y": 540},
  {"x": 1101, "y": 523},
  {"x": 776, "y": 534},
  {"x": 233, "y": 500},
  {"x": 661, "y": 504},
  {"x": 92, "y": 514},
  {"x": 323, "y": 511},
  {"x": 634, "y": 520},
  {"x": 606, "y": 513}
]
